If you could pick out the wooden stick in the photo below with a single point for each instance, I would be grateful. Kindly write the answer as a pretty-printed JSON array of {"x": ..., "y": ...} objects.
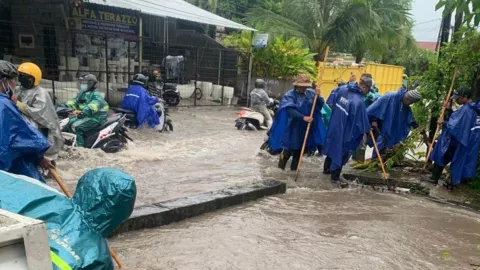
[
  {"x": 379, "y": 157},
  {"x": 319, "y": 83},
  {"x": 69, "y": 195},
  {"x": 442, "y": 114}
]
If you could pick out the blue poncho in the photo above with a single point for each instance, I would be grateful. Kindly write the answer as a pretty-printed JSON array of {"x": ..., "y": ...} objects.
[
  {"x": 137, "y": 99},
  {"x": 77, "y": 228},
  {"x": 288, "y": 133},
  {"x": 393, "y": 117},
  {"x": 347, "y": 126},
  {"x": 22, "y": 146},
  {"x": 463, "y": 131}
]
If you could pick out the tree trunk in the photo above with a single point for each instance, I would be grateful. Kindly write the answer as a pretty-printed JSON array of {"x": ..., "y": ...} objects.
[{"x": 359, "y": 57}]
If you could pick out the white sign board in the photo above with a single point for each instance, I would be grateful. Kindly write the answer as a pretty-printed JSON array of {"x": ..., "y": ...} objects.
[{"x": 260, "y": 41}]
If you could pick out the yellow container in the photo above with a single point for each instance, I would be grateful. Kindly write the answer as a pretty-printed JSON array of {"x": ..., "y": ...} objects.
[{"x": 387, "y": 78}]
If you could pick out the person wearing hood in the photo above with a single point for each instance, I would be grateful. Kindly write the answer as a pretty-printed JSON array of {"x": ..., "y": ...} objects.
[
  {"x": 77, "y": 227},
  {"x": 22, "y": 146},
  {"x": 138, "y": 100},
  {"x": 391, "y": 118},
  {"x": 347, "y": 127},
  {"x": 260, "y": 101},
  {"x": 290, "y": 125},
  {"x": 459, "y": 141},
  {"x": 90, "y": 109},
  {"x": 35, "y": 103}
]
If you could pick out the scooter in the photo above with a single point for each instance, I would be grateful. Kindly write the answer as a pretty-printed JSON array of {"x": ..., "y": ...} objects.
[
  {"x": 131, "y": 116},
  {"x": 253, "y": 120},
  {"x": 166, "y": 91},
  {"x": 111, "y": 137}
]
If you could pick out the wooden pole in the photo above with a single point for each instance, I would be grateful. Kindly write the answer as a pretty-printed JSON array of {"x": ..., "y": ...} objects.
[
  {"x": 442, "y": 114},
  {"x": 319, "y": 84},
  {"x": 69, "y": 195},
  {"x": 385, "y": 177}
]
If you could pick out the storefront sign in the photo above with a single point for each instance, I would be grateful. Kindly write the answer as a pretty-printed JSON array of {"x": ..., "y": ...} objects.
[{"x": 105, "y": 19}]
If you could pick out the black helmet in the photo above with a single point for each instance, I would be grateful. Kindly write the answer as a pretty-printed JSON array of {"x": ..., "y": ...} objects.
[
  {"x": 259, "y": 83},
  {"x": 7, "y": 70},
  {"x": 462, "y": 92},
  {"x": 90, "y": 81},
  {"x": 140, "y": 79}
]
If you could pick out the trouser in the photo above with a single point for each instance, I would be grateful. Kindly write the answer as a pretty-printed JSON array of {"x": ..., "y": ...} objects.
[
  {"x": 335, "y": 174},
  {"x": 266, "y": 114},
  {"x": 360, "y": 152},
  {"x": 161, "y": 115},
  {"x": 285, "y": 156},
  {"x": 447, "y": 158},
  {"x": 80, "y": 127}
]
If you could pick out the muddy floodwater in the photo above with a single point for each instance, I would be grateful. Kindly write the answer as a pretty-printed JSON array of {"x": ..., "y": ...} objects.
[{"x": 312, "y": 226}]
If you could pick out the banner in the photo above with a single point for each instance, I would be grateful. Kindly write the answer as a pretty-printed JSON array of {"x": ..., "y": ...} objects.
[{"x": 101, "y": 18}]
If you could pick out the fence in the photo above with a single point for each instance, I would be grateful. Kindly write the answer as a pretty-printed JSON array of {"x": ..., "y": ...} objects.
[{"x": 203, "y": 75}]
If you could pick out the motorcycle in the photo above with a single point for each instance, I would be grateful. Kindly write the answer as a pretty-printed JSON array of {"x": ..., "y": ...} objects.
[
  {"x": 253, "y": 120},
  {"x": 111, "y": 137},
  {"x": 131, "y": 116},
  {"x": 167, "y": 91}
]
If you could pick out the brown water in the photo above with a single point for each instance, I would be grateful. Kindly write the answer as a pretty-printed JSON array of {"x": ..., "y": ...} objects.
[{"x": 313, "y": 226}]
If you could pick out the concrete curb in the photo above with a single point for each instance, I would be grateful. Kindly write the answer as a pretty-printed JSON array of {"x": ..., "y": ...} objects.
[{"x": 175, "y": 210}]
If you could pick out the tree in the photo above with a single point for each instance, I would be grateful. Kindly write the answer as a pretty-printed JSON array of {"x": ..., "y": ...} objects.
[
  {"x": 341, "y": 24},
  {"x": 469, "y": 8}
]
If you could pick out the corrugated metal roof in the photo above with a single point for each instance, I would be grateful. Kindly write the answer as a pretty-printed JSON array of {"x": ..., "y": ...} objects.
[{"x": 178, "y": 9}]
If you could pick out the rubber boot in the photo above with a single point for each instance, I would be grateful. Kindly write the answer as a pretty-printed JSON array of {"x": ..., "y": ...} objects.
[
  {"x": 284, "y": 157},
  {"x": 436, "y": 174},
  {"x": 326, "y": 165},
  {"x": 295, "y": 160}
]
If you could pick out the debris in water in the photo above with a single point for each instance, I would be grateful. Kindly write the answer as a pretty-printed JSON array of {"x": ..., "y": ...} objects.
[{"x": 444, "y": 255}]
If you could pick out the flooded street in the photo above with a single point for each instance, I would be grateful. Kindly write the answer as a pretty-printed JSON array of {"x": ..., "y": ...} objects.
[
  {"x": 312, "y": 226},
  {"x": 306, "y": 229}
]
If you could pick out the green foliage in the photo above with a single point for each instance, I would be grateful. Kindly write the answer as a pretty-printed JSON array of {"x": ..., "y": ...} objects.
[
  {"x": 340, "y": 24},
  {"x": 416, "y": 61},
  {"x": 436, "y": 81},
  {"x": 284, "y": 59},
  {"x": 470, "y": 8}
]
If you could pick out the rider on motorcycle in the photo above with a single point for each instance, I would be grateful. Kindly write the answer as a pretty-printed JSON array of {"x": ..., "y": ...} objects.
[
  {"x": 147, "y": 108},
  {"x": 260, "y": 101},
  {"x": 35, "y": 103},
  {"x": 90, "y": 109}
]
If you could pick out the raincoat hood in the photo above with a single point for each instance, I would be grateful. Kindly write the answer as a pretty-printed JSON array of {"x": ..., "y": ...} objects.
[{"x": 106, "y": 198}]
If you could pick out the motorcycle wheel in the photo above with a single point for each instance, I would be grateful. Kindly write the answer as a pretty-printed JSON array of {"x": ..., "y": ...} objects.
[
  {"x": 198, "y": 93},
  {"x": 111, "y": 146},
  {"x": 251, "y": 127},
  {"x": 173, "y": 101}
]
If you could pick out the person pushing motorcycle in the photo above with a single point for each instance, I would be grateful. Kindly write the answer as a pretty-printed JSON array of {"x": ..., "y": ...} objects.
[{"x": 90, "y": 109}]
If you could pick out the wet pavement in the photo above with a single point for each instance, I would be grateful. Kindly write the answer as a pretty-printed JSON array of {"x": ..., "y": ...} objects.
[{"x": 313, "y": 226}]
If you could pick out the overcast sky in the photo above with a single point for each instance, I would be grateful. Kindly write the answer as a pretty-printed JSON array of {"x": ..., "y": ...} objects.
[{"x": 427, "y": 20}]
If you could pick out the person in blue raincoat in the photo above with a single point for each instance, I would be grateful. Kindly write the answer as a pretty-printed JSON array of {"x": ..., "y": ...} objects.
[
  {"x": 391, "y": 117},
  {"x": 22, "y": 146},
  {"x": 288, "y": 130},
  {"x": 347, "y": 126},
  {"x": 137, "y": 99},
  {"x": 77, "y": 228},
  {"x": 459, "y": 142}
]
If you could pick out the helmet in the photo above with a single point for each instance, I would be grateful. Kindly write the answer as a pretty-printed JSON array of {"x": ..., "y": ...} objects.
[
  {"x": 30, "y": 75},
  {"x": 7, "y": 70},
  {"x": 139, "y": 79},
  {"x": 88, "y": 82},
  {"x": 259, "y": 83},
  {"x": 462, "y": 92}
]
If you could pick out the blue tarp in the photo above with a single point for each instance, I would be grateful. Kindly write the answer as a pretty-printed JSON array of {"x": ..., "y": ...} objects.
[
  {"x": 347, "y": 126},
  {"x": 77, "y": 227},
  {"x": 288, "y": 133},
  {"x": 22, "y": 146},
  {"x": 137, "y": 99},
  {"x": 463, "y": 132}
]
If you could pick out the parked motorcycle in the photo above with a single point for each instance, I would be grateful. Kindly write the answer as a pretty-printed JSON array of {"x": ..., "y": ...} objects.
[
  {"x": 166, "y": 91},
  {"x": 111, "y": 137},
  {"x": 252, "y": 120},
  {"x": 162, "y": 111}
]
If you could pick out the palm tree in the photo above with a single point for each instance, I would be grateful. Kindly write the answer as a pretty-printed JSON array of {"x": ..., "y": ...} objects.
[{"x": 341, "y": 24}]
